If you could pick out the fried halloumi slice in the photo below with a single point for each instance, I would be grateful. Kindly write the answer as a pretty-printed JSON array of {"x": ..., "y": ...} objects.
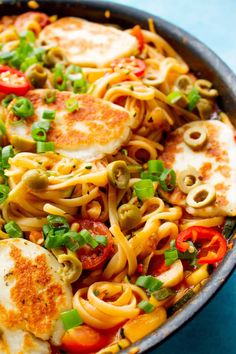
[
  {"x": 87, "y": 43},
  {"x": 215, "y": 162},
  {"x": 97, "y": 128},
  {"x": 33, "y": 293}
]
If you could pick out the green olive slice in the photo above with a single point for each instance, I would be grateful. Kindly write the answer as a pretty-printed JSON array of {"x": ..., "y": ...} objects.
[
  {"x": 37, "y": 75},
  {"x": 201, "y": 196},
  {"x": 53, "y": 56},
  {"x": 35, "y": 179},
  {"x": 118, "y": 174},
  {"x": 195, "y": 137},
  {"x": 188, "y": 179},
  {"x": 129, "y": 216},
  {"x": 205, "y": 89},
  {"x": 183, "y": 84}
]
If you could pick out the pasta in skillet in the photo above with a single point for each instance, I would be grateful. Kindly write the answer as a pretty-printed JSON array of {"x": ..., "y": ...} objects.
[{"x": 118, "y": 164}]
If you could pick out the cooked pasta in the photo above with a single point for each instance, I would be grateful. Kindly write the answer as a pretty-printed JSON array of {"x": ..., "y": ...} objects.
[{"x": 134, "y": 241}]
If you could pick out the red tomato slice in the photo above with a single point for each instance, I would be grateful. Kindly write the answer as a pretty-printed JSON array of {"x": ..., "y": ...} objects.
[
  {"x": 39, "y": 17},
  {"x": 213, "y": 244},
  {"x": 136, "y": 66},
  {"x": 84, "y": 339},
  {"x": 13, "y": 81},
  {"x": 93, "y": 258},
  {"x": 137, "y": 32}
]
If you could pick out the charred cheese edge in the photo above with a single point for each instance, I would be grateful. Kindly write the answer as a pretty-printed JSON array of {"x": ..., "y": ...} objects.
[
  {"x": 215, "y": 162},
  {"x": 33, "y": 294},
  {"x": 87, "y": 43},
  {"x": 97, "y": 128}
]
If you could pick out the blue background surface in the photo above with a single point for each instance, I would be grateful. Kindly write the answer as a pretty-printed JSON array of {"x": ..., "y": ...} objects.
[{"x": 213, "y": 330}]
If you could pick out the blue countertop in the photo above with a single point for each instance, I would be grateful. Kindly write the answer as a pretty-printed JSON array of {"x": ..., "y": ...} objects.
[{"x": 212, "y": 331}]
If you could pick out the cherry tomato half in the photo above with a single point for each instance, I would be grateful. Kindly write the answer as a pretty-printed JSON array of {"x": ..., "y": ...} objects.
[
  {"x": 213, "y": 245},
  {"x": 23, "y": 20},
  {"x": 137, "y": 32},
  {"x": 136, "y": 66},
  {"x": 93, "y": 258},
  {"x": 13, "y": 81},
  {"x": 84, "y": 339}
]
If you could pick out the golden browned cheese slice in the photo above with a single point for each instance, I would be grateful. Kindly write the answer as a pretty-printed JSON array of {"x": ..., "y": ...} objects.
[
  {"x": 32, "y": 295},
  {"x": 215, "y": 162},
  {"x": 87, "y": 43},
  {"x": 97, "y": 128}
]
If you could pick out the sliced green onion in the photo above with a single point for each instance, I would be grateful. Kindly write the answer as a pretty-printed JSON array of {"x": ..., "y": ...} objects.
[
  {"x": 50, "y": 96},
  {"x": 171, "y": 256},
  {"x": 156, "y": 166},
  {"x": 28, "y": 35},
  {"x": 39, "y": 134},
  {"x": 72, "y": 105},
  {"x": 148, "y": 282},
  {"x": 13, "y": 230},
  {"x": 144, "y": 189},
  {"x": 193, "y": 98},
  {"x": 44, "y": 146},
  {"x": 71, "y": 319},
  {"x": 80, "y": 86},
  {"x": 59, "y": 78},
  {"x": 28, "y": 62},
  {"x": 148, "y": 175},
  {"x": 4, "y": 191},
  {"x": 174, "y": 97},
  {"x": 8, "y": 99},
  {"x": 146, "y": 306},
  {"x": 73, "y": 69},
  {"x": 167, "y": 180},
  {"x": 102, "y": 240},
  {"x": 49, "y": 114},
  {"x": 23, "y": 108},
  {"x": 7, "y": 152},
  {"x": 2, "y": 127},
  {"x": 163, "y": 294},
  {"x": 44, "y": 124},
  {"x": 58, "y": 222},
  {"x": 89, "y": 239}
]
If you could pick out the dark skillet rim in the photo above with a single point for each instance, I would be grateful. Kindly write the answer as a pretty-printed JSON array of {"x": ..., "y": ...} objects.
[{"x": 229, "y": 79}]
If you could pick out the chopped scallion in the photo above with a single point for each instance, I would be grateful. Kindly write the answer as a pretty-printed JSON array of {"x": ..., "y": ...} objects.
[
  {"x": 13, "y": 230},
  {"x": 171, "y": 256},
  {"x": 71, "y": 319},
  {"x": 4, "y": 191},
  {"x": 72, "y": 105},
  {"x": 39, "y": 134},
  {"x": 163, "y": 294},
  {"x": 144, "y": 189},
  {"x": 146, "y": 306},
  {"x": 149, "y": 282},
  {"x": 88, "y": 238},
  {"x": 49, "y": 114},
  {"x": 174, "y": 97},
  {"x": 102, "y": 240},
  {"x": 8, "y": 99},
  {"x": 23, "y": 108},
  {"x": 167, "y": 180},
  {"x": 193, "y": 98},
  {"x": 44, "y": 146},
  {"x": 156, "y": 166},
  {"x": 7, "y": 152},
  {"x": 50, "y": 96}
]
